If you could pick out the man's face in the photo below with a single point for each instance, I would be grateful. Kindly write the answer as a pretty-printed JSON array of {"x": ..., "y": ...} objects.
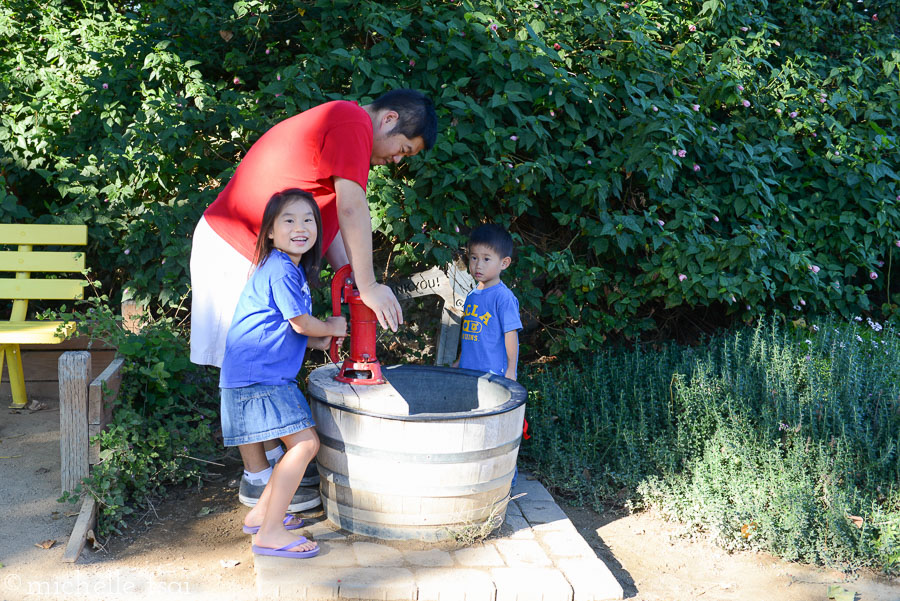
[{"x": 390, "y": 148}]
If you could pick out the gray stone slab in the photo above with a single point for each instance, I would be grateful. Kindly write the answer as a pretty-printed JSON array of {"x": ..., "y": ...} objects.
[
  {"x": 431, "y": 558},
  {"x": 323, "y": 530},
  {"x": 513, "y": 509},
  {"x": 334, "y": 554},
  {"x": 373, "y": 554},
  {"x": 534, "y": 490},
  {"x": 479, "y": 556},
  {"x": 282, "y": 578},
  {"x": 591, "y": 580},
  {"x": 566, "y": 543},
  {"x": 522, "y": 553},
  {"x": 381, "y": 584},
  {"x": 531, "y": 584},
  {"x": 454, "y": 585},
  {"x": 542, "y": 511},
  {"x": 515, "y": 526}
]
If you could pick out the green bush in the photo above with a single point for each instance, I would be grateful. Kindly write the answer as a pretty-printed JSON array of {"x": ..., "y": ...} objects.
[
  {"x": 659, "y": 162},
  {"x": 770, "y": 438},
  {"x": 164, "y": 418}
]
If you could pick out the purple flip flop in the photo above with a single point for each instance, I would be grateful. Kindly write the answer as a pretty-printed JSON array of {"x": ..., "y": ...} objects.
[
  {"x": 283, "y": 551},
  {"x": 289, "y": 524}
]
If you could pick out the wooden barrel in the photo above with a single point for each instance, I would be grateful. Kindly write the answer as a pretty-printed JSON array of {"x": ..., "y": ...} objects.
[{"x": 428, "y": 456}]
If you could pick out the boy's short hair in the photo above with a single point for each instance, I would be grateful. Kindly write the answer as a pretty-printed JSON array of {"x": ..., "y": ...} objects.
[{"x": 494, "y": 237}]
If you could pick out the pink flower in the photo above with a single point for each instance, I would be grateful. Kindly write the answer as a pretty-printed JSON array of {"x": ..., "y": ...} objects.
[
  {"x": 716, "y": 218},
  {"x": 557, "y": 47},
  {"x": 127, "y": 251},
  {"x": 733, "y": 299},
  {"x": 237, "y": 80},
  {"x": 412, "y": 62},
  {"x": 457, "y": 229},
  {"x": 776, "y": 42},
  {"x": 655, "y": 109},
  {"x": 660, "y": 222},
  {"x": 745, "y": 29},
  {"x": 746, "y": 104},
  {"x": 897, "y": 243},
  {"x": 552, "y": 114},
  {"x": 278, "y": 76},
  {"x": 822, "y": 100},
  {"x": 692, "y": 27},
  {"x": 674, "y": 152},
  {"x": 696, "y": 167},
  {"x": 873, "y": 275},
  {"x": 277, "y": 95},
  {"x": 589, "y": 162},
  {"x": 696, "y": 107},
  {"x": 793, "y": 114},
  {"x": 268, "y": 51},
  {"x": 682, "y": 153},
  {"x": 802, "y": 302},
  {"x": 740, "y": 88},
  {"x": 509, "y": 165},
  {"x": 814, "y": 268},
  {"x": 105, "y": 86},
  {"x": 814, "y": 134},
  {"x": 778, "y": 111},
  {"x": 493, "y": 27},
  {"x": 875, "y": 17},
  {"x": 626, "y": 5},
  {"x": 681, "y": 277},
  {"x": 514, "y": 138},
  {"x": 163, "y": 262},
  {"x": 898, "y": 198}
]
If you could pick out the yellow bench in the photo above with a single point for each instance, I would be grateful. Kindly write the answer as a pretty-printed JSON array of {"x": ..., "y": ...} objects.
[{"x": 20, "y": 289}]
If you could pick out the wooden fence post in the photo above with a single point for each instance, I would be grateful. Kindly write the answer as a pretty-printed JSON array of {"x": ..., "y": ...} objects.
[{"x": 74, "y": 377}]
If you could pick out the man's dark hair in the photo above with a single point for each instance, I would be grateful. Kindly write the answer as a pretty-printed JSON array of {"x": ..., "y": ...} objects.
[
  {"x": 417, "y": 118},
  {"x": 494, "y": 237}
]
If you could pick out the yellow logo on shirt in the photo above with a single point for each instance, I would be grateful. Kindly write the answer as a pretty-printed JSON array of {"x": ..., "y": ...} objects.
[{"x": 473, "y": 322}]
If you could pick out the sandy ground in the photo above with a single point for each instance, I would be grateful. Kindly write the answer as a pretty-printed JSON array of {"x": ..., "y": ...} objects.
[{"x": 190, "y": 545}]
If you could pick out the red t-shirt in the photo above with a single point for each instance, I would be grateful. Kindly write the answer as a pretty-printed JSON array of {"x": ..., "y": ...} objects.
[{"x": 305, "y": 151}]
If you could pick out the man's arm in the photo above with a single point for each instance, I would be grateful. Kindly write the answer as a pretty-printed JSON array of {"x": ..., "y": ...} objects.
[
  {"x": 511, "y": 340},
  {"x": 356, "y": 231},
  {"x": 336, "y": 255}
]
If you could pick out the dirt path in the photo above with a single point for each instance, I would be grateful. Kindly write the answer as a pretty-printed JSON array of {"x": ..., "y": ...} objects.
[{"x": 190, "y": 546}]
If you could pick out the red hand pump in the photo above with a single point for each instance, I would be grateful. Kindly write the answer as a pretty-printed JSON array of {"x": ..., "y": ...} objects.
[{"x": 362, "y": 367}]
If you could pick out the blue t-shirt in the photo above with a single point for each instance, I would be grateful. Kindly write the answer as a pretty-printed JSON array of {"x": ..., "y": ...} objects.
[
  {"x": 489, "y": 315},
  {"x": 262, "y": 347}
]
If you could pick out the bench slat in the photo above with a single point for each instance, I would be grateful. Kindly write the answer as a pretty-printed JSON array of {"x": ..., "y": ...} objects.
[
  {"x": 33, "y": 332},
  {"x": 17, "y": 233},
  {"x": 41, "y": 261},
  {"x": 41, "y": 289}
]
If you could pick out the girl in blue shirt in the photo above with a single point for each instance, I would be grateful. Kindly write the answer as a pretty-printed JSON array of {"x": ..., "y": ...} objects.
[{"x": 264, "y": 352}]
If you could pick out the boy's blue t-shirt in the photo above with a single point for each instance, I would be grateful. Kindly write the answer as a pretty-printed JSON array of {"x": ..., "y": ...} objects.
[
  {"x": 489, "y": 315},
  {"x": 262, "y": 347}
]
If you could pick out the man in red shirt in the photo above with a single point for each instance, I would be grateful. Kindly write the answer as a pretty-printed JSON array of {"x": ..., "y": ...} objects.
[{"x": 327, "y": 151}]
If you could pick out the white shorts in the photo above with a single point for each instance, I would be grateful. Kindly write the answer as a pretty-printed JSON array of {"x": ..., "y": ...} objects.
[{"x": 218, "y": 275}]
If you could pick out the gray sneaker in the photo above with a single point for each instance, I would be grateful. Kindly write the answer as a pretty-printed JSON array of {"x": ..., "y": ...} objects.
[
  {"x": 311, "y": 476},
  {"x": 304, "y": 498}
]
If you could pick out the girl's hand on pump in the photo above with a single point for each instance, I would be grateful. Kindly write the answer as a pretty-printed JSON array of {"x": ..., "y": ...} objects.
[{"x": 338, "y": 326}]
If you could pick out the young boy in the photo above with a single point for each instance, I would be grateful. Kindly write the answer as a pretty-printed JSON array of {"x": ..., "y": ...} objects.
[{"x": 490, "y": 337}]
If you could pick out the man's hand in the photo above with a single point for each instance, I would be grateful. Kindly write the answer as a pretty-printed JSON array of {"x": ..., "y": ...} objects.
[
  {"x": 337, "y": 324},
  {"x": 382, "y": 301},
  {"x": 323, "y": 343}
]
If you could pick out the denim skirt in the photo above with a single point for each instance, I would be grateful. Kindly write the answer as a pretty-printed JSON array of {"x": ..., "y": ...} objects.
[{"x": 263, "y": 412}]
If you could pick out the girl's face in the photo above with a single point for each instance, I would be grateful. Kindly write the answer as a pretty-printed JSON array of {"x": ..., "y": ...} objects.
[{"x": 294, "y": 231}]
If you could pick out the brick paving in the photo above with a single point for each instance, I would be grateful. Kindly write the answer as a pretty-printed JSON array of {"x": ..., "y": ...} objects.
[{"x": 537, "y": 555}]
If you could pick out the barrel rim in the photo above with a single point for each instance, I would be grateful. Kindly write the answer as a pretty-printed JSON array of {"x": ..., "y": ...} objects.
[{"x": 517, "y": 397}]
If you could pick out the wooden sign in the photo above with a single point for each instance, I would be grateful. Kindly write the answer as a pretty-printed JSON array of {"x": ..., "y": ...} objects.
[{"x": 452, "y": 284}]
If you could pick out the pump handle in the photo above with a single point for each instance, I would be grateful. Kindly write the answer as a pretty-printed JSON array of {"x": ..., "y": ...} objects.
[{"x": 341, "y": 277}]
